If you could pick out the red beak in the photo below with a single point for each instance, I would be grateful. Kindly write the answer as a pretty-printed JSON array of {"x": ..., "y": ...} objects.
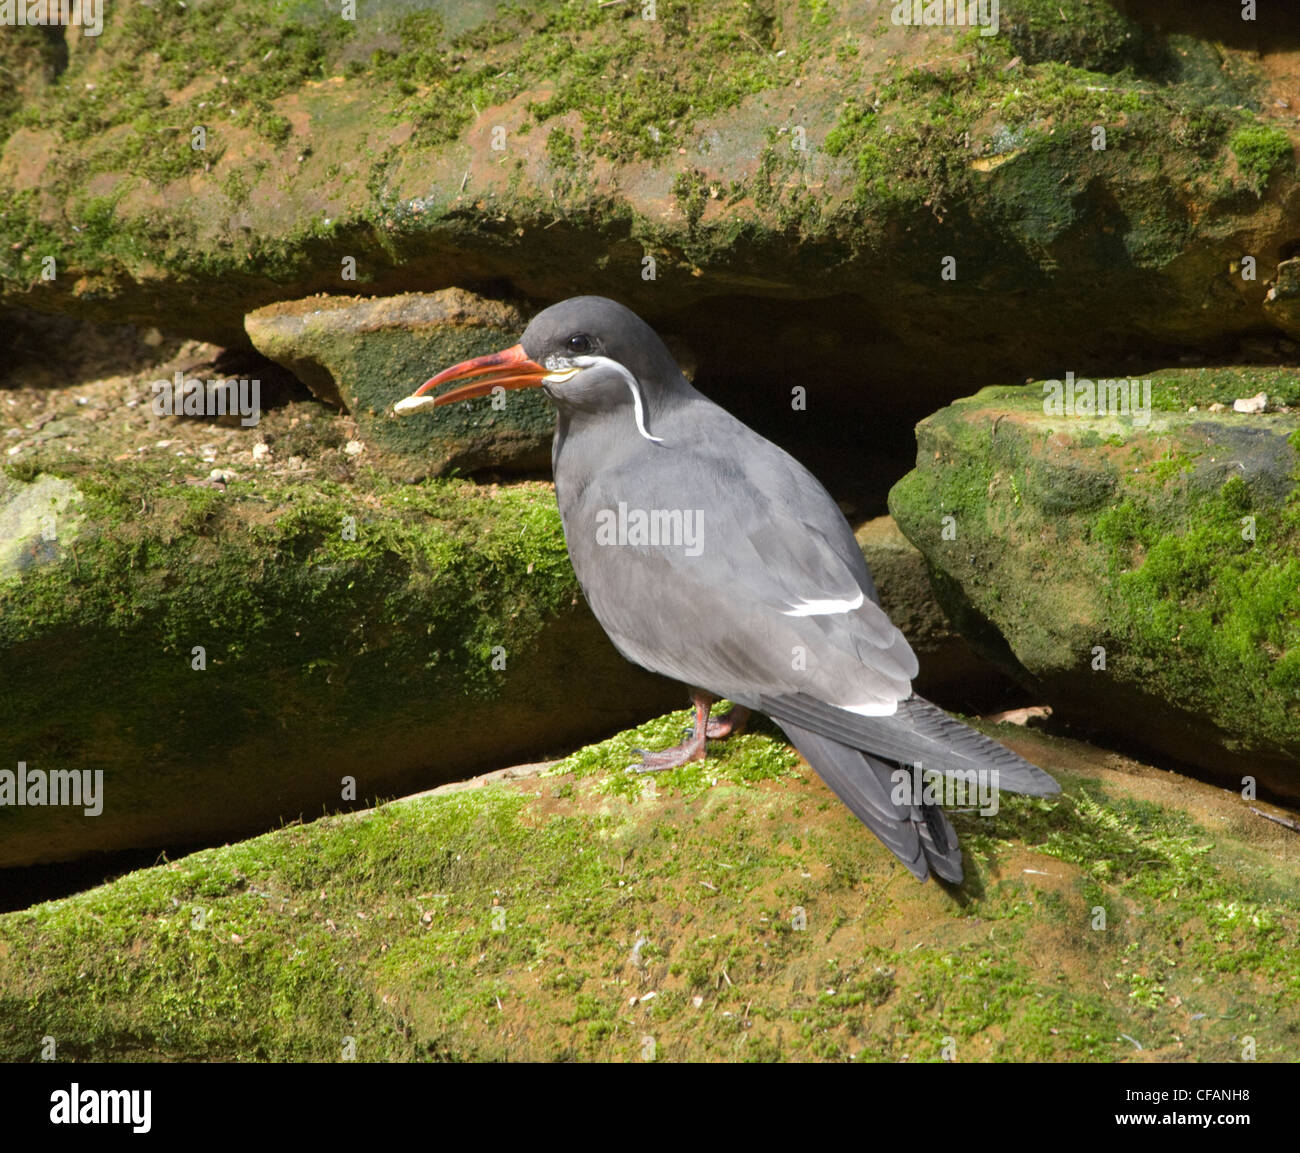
[{"x": 509, "y": 368}]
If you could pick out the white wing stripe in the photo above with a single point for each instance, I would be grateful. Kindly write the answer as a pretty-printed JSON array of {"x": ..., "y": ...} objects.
[
  {"x": 872, "y": 708},
  {"x": 824, "y": 607}
]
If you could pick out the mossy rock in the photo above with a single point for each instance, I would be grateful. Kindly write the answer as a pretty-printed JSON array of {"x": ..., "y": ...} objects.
[
  {"x": 1139, "y": 573},
  {"x": 729, "y": 910},
  {"x": 230, "y": 658},
  {"x": 349, "y": 623},
  {"x": 950, "y": 669},
  {"x": 368, "y": 354},
  {"x": 802, "y": 180}
]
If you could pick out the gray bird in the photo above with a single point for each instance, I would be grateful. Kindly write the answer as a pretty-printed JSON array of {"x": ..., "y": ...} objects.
[{"x": 712, "y": 556}]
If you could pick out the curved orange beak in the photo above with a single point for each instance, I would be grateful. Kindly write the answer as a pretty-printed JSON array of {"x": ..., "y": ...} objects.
[{"x": 509, "y": 368}]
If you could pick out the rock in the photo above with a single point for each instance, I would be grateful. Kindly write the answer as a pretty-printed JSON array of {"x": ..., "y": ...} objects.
[
  {"x": 951, "y": 671},
  {"x": 259, "y": 642},
  {"x": 583, "y": 865},
  {"x": 367, "y": 354},
  {"x": 39, "y": 521},
  {"x": 792, "y": 193},
  {"x": 256, "y": 625},
  {"x": 1250, "y": 404},
  {"x": 1282, "y": 301},
  {"x": 1020, "y": 716},
  {"x": 1138, "y": 574}
]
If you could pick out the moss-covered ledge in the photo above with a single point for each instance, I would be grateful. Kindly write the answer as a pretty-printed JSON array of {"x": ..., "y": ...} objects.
[
  {"x": 1140, "y": 571},
  {"x": 227, "y": 656},
  {"x": 811, "y": 154},
  {"x": 591, "y": 914}
]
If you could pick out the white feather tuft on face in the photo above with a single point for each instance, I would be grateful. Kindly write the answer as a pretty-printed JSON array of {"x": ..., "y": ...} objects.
[{"x": 629, "y": 380}]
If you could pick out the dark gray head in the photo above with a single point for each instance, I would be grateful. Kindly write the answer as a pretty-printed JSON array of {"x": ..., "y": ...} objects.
[
  {"x": 600, "y": 356},
  {"x": 591, "y": 355}
]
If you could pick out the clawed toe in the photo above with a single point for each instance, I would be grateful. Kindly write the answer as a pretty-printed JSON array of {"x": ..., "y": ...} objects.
[{"x": 693, "y": 747}]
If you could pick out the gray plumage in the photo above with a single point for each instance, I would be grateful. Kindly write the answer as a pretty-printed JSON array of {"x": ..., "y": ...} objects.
[{"x": 777, "y": 611}]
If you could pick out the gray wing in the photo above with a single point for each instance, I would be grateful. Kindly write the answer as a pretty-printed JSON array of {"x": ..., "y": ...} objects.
[
  {"x": 778, "y": 600},
  {"x": 919, "y": 731}
]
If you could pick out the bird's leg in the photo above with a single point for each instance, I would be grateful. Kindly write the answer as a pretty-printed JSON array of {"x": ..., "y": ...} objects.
[
  {"x": 731, "y": 724},
  {"x": 691, "y": 749}
]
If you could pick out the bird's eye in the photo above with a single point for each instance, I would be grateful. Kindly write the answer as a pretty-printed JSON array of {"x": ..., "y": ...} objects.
[{"x": 579, "y": 343}]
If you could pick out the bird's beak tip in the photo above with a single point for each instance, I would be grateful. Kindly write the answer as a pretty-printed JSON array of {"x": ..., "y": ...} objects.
[{"x": 509, "y": 368}]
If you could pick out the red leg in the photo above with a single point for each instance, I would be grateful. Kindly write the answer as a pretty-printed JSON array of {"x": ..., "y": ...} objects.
[{"x": 732, "y": 723}]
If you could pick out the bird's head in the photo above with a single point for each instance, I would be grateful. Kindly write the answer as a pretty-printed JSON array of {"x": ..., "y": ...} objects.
[{"x": 588, "y": 353}]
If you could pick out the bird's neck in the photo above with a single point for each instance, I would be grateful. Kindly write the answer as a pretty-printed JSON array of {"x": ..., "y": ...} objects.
[{"x": 588, "y": 447}]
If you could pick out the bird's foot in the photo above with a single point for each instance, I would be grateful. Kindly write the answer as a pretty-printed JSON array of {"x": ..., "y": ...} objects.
[
  {"x": 706, "y": 729},
  {"x": 691, "y": 749},
  {"x": 731, "y": 724}
]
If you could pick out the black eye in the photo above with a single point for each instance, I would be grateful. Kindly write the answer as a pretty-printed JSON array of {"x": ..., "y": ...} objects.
[{"x": 579, "y": 343}]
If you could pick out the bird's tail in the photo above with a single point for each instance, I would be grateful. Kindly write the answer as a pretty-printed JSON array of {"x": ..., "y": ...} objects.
[
  {"x": 919, "y": 835},
  {"x": 917, "y": 731}
]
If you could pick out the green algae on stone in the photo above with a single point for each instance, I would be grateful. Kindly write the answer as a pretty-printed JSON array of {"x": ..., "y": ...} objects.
[
  {"x": 1140, "y": 574},
  {"x": 533, "y": 920},
  {"x": 1261, "y": 150},
  {"x": 1089, "y": 34},
  {"x": 389, "y": 160},
  {"x": 949, "y": 668},
  {"x": 236, "y": 656}
]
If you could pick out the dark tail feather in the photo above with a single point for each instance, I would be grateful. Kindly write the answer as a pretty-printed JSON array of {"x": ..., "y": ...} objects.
[
  {"x": 939, "y": 840},
  {"x": 920, "y": 836},
  {"x": 918, "y": 731}
]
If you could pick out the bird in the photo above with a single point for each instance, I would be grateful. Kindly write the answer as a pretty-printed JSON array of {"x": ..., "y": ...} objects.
[{"x": 711, "y": 556}]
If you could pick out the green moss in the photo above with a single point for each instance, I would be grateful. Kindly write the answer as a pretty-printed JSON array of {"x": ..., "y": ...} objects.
[
  {"x": 1089, "y": 34},
  {"x": 913, "y": 147},
  {"x": 305, "y": 626},
  {"x": 628, "y": 89},
  {"x": 1228, "y": 606},
  {"x": 1171, "y": 543},
  {"x": 691, "y": 191},
  {"x": 535, "y": 920},
  {"x": 1261, "y": 150},
  {"x": 186, "y": 47},
  {"x": 609, "y": 66},
  {"x": 1068, "y": 488},
  {"x": 561, "y": 150},
  {"x": 617, "y": 84}
]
